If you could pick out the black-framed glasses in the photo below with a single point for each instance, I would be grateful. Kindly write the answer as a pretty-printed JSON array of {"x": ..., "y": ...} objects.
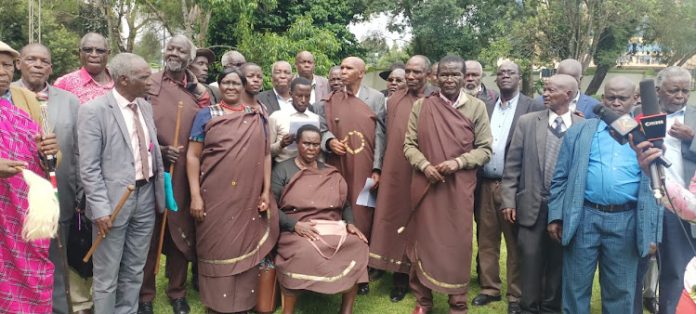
[{"x": 98, "y": 51}]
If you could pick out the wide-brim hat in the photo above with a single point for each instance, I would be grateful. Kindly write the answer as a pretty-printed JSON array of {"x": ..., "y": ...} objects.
[
  {"x": 207, "y": 53},
  {"x": 7, "y": 49}
]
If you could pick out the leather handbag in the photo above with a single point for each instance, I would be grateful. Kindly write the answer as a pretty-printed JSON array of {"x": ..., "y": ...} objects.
[{"x": 266, "y": 300}]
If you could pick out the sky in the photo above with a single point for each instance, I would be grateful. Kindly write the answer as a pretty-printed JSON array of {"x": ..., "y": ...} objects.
[{"x": 378, "y": 23}]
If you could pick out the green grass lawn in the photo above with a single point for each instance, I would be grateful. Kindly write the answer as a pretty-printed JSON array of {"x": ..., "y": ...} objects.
[{"x": 375, "y": 302}]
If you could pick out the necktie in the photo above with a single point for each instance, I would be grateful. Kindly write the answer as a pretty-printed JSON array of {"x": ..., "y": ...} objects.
[
  {"x": 559, "y": 125},
  {"x": 142, "y": 147}
]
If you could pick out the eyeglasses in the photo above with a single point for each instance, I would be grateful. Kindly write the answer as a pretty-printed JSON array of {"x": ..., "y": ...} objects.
[{"x": 98, "y": 51}]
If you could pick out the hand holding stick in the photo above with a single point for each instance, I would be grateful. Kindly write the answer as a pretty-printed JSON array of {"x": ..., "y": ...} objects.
[{"x": 114, "y": 214}]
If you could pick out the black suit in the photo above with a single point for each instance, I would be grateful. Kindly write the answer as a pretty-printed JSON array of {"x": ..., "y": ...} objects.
[
  {"x": 490, "y": 222},
  {"x": 268, "y": 98}
]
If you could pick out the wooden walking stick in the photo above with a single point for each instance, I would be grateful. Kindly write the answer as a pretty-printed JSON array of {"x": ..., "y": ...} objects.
[
  {"x": 415, "y": 208},
  {"x": 160, "y": 245},
  {"x": 114, "y": 214}
]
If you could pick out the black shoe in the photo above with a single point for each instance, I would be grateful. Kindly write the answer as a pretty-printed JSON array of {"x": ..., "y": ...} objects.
[
  {"x": 514, "y": 308},
  {"x": 180, "y": 306},
  {"x": 397, "y": 294},
  {"x": 374, "y": 274},
  {"x": 650, "y": 305},
  {"x": 483, "y": 299},
  {"x": 145, "y": 308},
  {"x": 363, "y": 288}
]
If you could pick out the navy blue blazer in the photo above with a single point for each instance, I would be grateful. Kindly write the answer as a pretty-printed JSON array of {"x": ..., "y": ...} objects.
[{"x": 568, "y": 190}]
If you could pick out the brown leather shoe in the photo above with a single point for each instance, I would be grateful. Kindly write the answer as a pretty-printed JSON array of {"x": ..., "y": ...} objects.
[{"x": 419, "y": 310}]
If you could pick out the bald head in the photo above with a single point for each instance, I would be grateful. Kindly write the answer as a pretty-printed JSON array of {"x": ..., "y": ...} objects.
[
  {"x": 570, "y": 67},
  {"x": 559, "y": 90},
  {"x": 304, "y": 64},
  {"x": 352, "y": 73},
  {"x": 619, "y": 95}
]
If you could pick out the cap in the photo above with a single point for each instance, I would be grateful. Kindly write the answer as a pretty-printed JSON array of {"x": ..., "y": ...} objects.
[
  {"x": 6, "y": 48},
  {"x": 207, "y": 53}
]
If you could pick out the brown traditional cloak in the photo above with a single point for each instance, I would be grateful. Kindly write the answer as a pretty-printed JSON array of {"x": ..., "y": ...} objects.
[
  {"x": 318, "y": 194},
  {"x": 440, "y": 235},
  {"x": 387, "y": 247},
  {"x": 234, "y": 237},
  {"x": 165, "y": 96},
  {"x": 348, "y": 117}
]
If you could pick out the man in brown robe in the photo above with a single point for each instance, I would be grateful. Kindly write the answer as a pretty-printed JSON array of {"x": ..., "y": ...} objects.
[
  {"x": 353, "y": 136},
  {"x": 388, "y": 248},
  {"x": 447, "y": 139},
  {"x": 170, "y": 87}
]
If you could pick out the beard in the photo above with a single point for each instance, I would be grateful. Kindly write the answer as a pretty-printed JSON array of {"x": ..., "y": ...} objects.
[
  {"x": 472, "y": 92},
  {"x": 174, "y": 66}
]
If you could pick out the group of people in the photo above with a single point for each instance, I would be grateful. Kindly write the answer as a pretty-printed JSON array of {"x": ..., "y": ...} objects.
[{"x": 323, "y": 184}]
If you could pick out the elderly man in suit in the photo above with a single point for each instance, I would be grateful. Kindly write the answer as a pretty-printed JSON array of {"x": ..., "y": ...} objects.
[
  {"x": 581, "y": 104},
  {"x": 503, "y": 115},
  {"x": 278, "y": 98},
  {"x": 529, "y": 166},
  {"x": 601, "y": 209},
  {"x": 304, "y": 65},
  {"x": 353, "y": 136},
  {"x": 118, "y": 147},
  {"x": 678, "y": 238},
  {"x": 35, "y": 65}
]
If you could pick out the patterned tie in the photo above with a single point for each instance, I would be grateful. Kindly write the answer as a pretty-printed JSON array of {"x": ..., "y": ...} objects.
[
  {"x": 142, "y": 147},
  {"x": 559, "y": 125}
]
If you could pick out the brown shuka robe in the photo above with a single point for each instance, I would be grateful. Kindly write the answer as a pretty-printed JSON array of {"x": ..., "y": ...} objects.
[
  {"x": 349, "y": 117},
  {"x": 164, "y": 97},
  {"x": 440, "y": 235},
  {"x": 318, "y": 194},
  {"x": 234, "y": 236},
  {"x": 387, "y": 247}
]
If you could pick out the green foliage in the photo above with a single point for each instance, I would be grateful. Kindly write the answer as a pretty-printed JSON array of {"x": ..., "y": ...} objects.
[
  {"x": 673, "y": 26},
  {"x": 150, "y": 47}
]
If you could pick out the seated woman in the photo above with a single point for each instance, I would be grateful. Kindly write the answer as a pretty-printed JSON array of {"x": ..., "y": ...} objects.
[{"x": 319, "y": 247}]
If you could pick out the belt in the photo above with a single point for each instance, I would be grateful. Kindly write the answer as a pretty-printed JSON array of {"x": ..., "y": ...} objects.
[
  {"x": 140, "y": 183},
  {"x": 611, "y": 208}
]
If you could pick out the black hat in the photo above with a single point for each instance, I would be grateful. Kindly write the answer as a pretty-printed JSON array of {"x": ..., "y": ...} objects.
[{"x": 385, "y": 74}]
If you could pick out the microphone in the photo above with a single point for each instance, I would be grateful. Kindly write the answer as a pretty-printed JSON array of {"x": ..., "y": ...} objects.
[{"x": 654, "y": 124}]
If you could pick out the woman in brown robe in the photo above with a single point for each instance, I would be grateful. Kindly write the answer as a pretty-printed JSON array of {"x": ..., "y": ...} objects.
[
  {"x": 229, "y": 170},
  {"x": 320, "y": 249}
]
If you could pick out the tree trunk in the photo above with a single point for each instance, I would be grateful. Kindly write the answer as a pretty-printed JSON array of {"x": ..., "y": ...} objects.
[
  {"x": 528, "y": 81},
  {"x": 598, "y": 78}
]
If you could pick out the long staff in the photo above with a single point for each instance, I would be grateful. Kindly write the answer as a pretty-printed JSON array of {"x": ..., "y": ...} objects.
[
  {"x": 114, "y": 214},
  {"x": 160, "y": 245},
  {"x": 415, "y": 208}
]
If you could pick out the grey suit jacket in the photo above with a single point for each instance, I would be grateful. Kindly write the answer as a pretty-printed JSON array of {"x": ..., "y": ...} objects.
[
  {"x": 107, "y": 166},
  {"x": 375, "y": 101},
  {"x": 321, "y": 89},
  {"x": 62, "y": 119},
  {"x": 523, "y": 176},
  {"x": 268, "y": 98}
]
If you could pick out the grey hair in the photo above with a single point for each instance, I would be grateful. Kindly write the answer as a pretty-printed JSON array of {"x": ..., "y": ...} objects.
[
  {"x": 124, "y": 64},
  {"x": 335, "y": 68},
  {"x": 93, "y": 34},
  {"x": 669, "y": 72},
  {"x": 426, "y": 61},
  {"x": 192, "y": 50},
  {"x": 275, "y": 64},
  {"x": 225, "y": 59}
]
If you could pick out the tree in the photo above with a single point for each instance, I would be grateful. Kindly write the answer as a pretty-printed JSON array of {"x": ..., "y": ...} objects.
[{"x": 673, "y": 26}]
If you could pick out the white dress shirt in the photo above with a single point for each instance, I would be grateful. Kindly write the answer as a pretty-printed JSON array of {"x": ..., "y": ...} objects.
[
  {"x": 135, "y": 149},
  {"x": 673, "y": 151},
  {"x": 279, "y": 126},
  {"x": 567, "y": 120},
  {"x": 282, "y": 103}
]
